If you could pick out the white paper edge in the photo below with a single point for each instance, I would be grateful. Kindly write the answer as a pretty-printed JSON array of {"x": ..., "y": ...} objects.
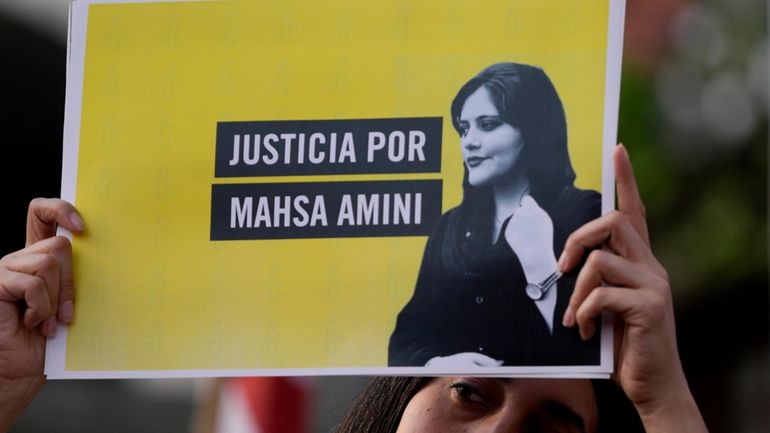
[
  {"x": 76, "y": 39},
  {"x": 612, "y": 100},
  {"x": 615, "y": 28},
  {"x": 590, "y": 372},
  {"x": 56, "y": 346},
  {"x": 140, "y": 1}
]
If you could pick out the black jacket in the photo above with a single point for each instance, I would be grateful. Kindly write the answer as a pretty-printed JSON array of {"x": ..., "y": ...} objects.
[{"x": 487, "y": 311}]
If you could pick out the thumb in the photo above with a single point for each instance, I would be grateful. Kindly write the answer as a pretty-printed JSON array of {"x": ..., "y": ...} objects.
[{"x": 45, "y": 214}]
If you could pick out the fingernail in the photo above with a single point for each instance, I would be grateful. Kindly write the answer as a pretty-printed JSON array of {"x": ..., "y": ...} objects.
[
  {"x": 626, "y": 157},
  {"x": 50, "y": 326},
  {"x": 66, "y": 311},
  {"x": 569, "y": 317},
  {"x": 77, "y": 222},
  {"x": 562, "y": 259}
]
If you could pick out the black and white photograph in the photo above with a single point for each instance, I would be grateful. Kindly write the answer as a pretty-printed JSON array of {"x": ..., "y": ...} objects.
[{"x": 489, "y": 291}]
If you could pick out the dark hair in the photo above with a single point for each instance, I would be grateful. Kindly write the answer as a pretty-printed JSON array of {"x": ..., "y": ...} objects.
[
  {"x": 527, "y": 100},
  {"x": 379, "y": 408}
]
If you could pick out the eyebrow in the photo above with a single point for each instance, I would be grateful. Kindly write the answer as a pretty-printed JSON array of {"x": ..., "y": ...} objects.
[
  {"x": 559, "y": 410},
  {"x": 482, "y": 117}
]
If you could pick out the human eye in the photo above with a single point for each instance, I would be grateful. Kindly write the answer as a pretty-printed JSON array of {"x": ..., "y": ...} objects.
[
  {"x": 463, "y": 127},
  {"x": 489, "y": 123},
  {"x": 467, "y": 393}
]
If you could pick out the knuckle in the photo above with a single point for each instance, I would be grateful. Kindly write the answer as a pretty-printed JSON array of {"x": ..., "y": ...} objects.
[
  {"x": 37, "y": 288},
  {"x": 37, "y": 297},
  {"x": 48, "y": 261},
  {"x": 596, "y": 259},
  {"x": 41, "y": 206},
  {"x": 573, "y": 241},
  {"x": 569, "y": 242},
  {"x": 662, "y": 273},
  {"x": 614, "y": 217},
  {"x": 581, "y": 313},
  {"x": 67, "y": 289},
  {"x": 662, "y": 285},
  {"x": 60, "y": 243},
  {"x": 36, "y": 203},
  {"x": 617, "y": 219},
  {"x": 598, "y": 296},
  {"x": 585, "y": 312}
]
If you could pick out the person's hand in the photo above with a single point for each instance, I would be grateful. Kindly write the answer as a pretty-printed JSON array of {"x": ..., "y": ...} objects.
[
  {"x": 463, "y": 360},
  {"x": 36, "y": 292},
  {"x": 625, "y": 277},
  {"x": 530, "y": 235}
]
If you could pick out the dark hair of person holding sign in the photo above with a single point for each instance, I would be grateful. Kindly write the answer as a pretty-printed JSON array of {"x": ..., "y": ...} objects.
[{"x": 489, "y": 291}]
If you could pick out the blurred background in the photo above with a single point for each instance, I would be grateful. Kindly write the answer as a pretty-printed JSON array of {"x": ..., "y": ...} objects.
[{"x": 693, "y": 113}]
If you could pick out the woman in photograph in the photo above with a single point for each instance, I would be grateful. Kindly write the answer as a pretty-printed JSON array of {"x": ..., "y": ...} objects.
[{"x": 488, "y": 292}]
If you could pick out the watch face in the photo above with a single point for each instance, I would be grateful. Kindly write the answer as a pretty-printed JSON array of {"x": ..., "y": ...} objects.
[{"x": 534, "y": 292}]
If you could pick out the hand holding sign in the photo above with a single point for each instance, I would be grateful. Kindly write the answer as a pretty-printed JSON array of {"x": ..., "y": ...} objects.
[
  {"x": 627, "y": 279},
  {"x": 36, "y": 292}
]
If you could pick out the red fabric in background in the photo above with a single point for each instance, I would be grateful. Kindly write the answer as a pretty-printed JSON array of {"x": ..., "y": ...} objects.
[{"x": 277, "y": 404}]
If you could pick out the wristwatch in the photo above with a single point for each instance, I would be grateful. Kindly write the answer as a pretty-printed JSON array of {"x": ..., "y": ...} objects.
[{"x": 536, "y": 291}]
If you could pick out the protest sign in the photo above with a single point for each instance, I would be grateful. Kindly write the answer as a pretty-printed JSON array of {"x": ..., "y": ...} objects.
[{"x": 265, "y": 184}]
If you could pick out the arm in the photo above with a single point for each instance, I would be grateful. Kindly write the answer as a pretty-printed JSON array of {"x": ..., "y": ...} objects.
[
  {"x": 39, "y": 279},
  {"x": 625, "y": 277},
  {"x": 530, "y": 233}
]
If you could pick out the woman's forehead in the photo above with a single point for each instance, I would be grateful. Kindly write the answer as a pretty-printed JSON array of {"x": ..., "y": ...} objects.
[{"x": 479, "y": 103}]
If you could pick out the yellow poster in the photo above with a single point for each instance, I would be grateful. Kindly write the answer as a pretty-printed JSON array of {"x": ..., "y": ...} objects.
[{"x": 336, "y": 187}]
